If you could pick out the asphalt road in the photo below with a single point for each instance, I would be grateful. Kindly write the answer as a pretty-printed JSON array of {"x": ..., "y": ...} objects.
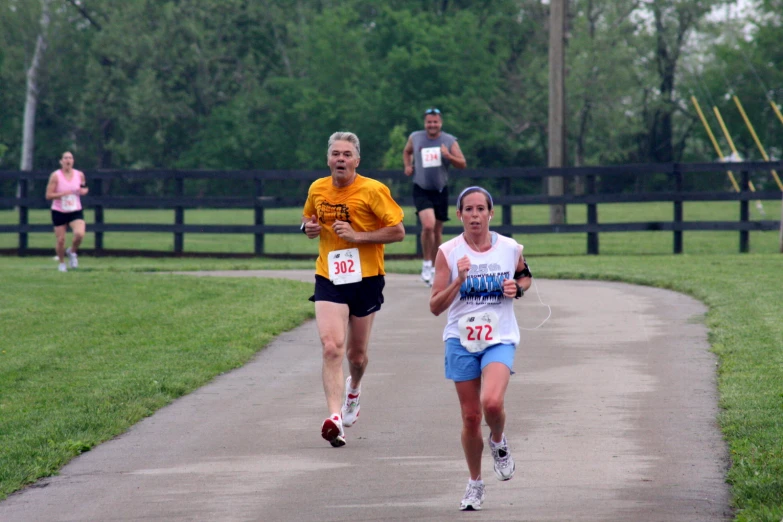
[{"x": 611, "y": 417}]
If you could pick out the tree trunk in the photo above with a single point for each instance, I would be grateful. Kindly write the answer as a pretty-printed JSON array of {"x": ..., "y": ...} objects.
[{"x": 31, "y": 102}]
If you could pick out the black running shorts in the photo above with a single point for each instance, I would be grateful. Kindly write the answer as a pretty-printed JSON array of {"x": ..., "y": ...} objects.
[
  {"x": 363, "y": 298},
  {"x": 63, "y": 218},
  {"x": 438, "y": 200}
]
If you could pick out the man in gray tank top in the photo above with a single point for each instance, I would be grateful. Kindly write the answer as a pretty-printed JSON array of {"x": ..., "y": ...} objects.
[{"x": 427, "y": 156}]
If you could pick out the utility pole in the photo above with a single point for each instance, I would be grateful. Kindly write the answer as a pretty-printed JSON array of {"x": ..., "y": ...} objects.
[{"x": 557, "y": 10}]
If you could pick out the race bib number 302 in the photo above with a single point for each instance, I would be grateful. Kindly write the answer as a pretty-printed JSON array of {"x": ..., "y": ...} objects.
[
  {"x": 478, "y": 331},
  {"x": 345, "y": 266}
]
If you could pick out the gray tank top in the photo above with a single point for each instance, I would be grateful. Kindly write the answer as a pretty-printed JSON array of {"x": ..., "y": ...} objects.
[{"x": 430, "y": 170}]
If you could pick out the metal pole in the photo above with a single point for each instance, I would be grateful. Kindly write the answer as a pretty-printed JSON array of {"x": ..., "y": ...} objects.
[
  {"x": 714, "y": 141},
  {"x": 757, "y": 140}
]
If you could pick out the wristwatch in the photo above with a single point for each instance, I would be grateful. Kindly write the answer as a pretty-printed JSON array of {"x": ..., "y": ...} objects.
[
  {"x": 302, "y": 227},
  {"x": 520, "y": 292}
]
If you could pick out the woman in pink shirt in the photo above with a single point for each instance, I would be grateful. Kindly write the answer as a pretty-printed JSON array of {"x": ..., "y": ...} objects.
[{"x": 65, "y": 187}]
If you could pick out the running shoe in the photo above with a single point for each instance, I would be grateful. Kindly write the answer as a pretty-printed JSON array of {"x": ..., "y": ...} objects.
[
  {"x": 350, "y": 410},
  {"x": 427, "y": 273},
  {"x": 73, "y": 258},
  {"x": 474, "y": 496},
  {"x": 332, "y": 430},
  {"x": 504, "y": 462},
  {"x": 62, "y": 268}
]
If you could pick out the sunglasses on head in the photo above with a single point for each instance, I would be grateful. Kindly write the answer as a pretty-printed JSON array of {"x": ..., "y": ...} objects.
[{"x": 432, "y": 111}]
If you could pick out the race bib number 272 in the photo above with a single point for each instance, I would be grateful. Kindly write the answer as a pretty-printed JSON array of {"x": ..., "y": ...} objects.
[{"x": 478, "y": 331}]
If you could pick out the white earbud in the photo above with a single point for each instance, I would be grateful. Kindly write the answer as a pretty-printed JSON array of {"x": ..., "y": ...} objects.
[{"x": 490, "y": 218}]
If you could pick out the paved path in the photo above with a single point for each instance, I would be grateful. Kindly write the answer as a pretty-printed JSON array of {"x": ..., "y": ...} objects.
[{"x": 611, "y": 417}]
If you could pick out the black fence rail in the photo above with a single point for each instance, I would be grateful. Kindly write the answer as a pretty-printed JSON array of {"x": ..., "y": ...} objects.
[{"x": 261, "y": 190}]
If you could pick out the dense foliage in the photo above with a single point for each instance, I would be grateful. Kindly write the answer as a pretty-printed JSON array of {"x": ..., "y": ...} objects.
[{"x": 231, "y": 84}]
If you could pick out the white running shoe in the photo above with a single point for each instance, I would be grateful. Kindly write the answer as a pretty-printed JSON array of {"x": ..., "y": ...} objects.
[
  {"x": 427, "y": 274},
  {"x": 350, "y": 410},
  {"x": 332, "y": 430},
  {"x": 62, "y": 268},
  {"x": 474, "y": 496},
  {"x": 504, "y": 462},
  {"x": 73, "y": 258}
]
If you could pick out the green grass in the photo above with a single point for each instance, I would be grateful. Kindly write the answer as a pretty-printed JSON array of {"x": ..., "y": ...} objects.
[
  {"x": 619, "y": 243},
  {"x": 85, "y": 355}
]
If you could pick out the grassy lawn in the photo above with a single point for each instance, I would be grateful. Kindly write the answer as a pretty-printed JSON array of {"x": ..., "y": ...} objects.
[
  {"x": 85, "y": 355},
  {"x": 619, "y": 243}
]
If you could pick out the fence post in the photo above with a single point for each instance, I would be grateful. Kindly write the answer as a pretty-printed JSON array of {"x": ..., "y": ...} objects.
[
  {"x": 507, "y": 208},
  {"x": 98, "y": 189},
  {"x": 592, "y": 217},
  {"x": 677, "y": 209},
  {"x": 259, "y": 216},
  {"x": 781, "y": 225},
  {"x": 744, "y": 245},
  {"x": 179, "y": 214},
  {"x": 23, "y": 217}
]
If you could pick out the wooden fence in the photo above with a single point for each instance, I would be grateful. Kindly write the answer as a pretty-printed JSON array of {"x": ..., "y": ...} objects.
[{"x": 672, "y": 177}]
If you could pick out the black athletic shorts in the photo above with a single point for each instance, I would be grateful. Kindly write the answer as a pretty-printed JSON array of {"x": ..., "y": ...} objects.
[
  {"x": 434, "y": 199},
  {"x": 363, "y": 298},
  {"x": 63, "y": 218}
]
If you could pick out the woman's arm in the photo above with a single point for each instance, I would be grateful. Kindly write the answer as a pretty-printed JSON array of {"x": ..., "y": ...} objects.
[{"x": 443, "y": 291}]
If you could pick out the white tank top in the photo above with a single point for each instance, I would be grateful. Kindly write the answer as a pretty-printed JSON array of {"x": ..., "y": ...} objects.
[{"x": 483, "y": 289}]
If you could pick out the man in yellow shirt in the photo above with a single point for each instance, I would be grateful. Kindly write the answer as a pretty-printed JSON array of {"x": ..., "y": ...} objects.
[{"x": 353, "y": 217}]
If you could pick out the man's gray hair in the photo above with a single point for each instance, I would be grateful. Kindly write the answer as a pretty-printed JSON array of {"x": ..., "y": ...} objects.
[{"x": 344, "y": 136}]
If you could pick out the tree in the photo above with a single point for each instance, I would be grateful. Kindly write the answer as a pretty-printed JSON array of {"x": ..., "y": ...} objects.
[{"x": 31, "y": 99}]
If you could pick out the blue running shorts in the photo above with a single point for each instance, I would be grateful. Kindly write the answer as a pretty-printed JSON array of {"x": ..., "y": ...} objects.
[{"x": 462, "y": 365}]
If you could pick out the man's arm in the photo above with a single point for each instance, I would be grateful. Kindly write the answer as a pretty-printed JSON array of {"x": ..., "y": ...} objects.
[
  {"x": 456, "y": 157},
  {"x": 384, "y": 235},
  {"x": 407, "y": 156}
]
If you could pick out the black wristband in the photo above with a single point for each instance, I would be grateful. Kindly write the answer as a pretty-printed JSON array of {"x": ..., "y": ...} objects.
[{"x": 520, "y": 292}]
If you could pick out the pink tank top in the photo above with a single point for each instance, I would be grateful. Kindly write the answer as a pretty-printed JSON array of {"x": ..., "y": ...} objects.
[{"x": 72, "y": 202}]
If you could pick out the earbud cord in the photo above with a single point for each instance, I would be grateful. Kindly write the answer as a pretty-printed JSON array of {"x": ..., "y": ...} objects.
[
  {"x": 538, "y": 294},
  {"x": 472, "y": 244},
  {"x": 543, "y": 303}
]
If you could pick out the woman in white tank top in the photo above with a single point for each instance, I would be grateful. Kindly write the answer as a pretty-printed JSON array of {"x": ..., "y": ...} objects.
[
  {"x": 478, "y": 274},
  {"x": 65, "y": 188}
]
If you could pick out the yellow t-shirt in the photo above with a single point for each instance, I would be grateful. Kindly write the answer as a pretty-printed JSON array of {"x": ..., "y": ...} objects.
[{"x": 366, "y": 203}]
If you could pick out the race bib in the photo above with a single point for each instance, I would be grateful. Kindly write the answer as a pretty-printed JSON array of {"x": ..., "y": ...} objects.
[
  {"x": 345, "y": 266},
  {"x": 430, "y": 157},
  {"x": 69, "y": 203},
  {"x": 477, "y": 331}
]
